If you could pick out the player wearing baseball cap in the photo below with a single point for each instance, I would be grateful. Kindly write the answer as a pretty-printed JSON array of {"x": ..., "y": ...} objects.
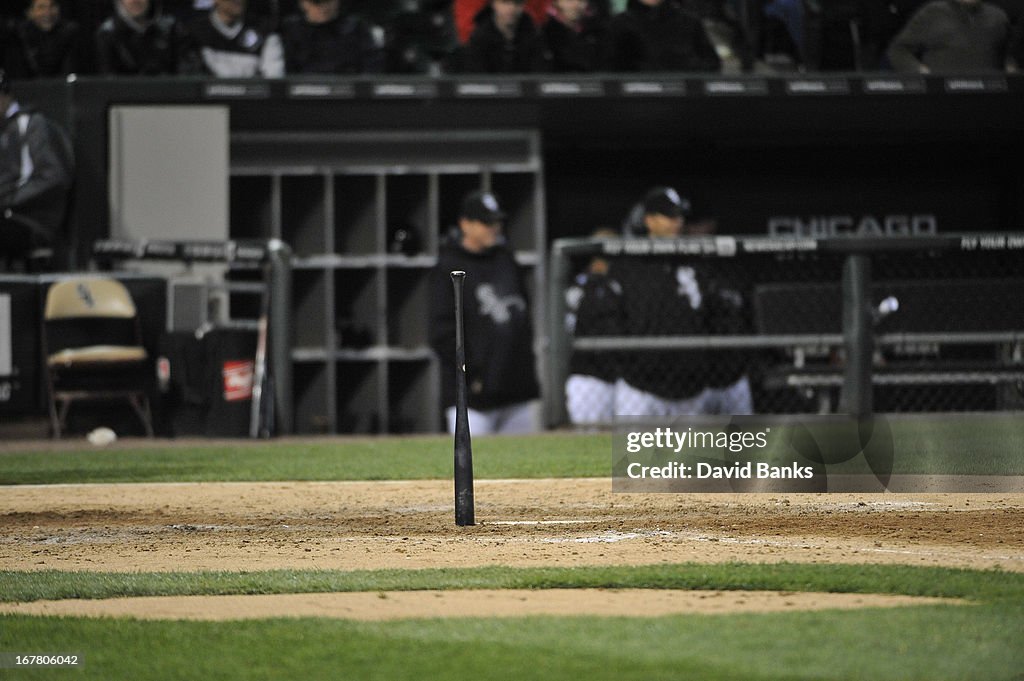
[{"x": 501, "y": 377}]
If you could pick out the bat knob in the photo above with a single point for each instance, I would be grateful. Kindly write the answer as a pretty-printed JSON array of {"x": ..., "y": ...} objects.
[{"x": 458, "y": 274}]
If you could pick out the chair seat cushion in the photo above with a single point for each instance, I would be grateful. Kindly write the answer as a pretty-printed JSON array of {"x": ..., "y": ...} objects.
[{"x": 97, "y": 354}]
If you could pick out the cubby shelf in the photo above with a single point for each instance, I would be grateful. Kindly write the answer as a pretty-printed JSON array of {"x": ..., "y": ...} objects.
[{"x": 361, "y": 359}]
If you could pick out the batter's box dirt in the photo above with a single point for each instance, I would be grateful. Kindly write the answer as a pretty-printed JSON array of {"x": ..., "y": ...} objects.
[{"x": 410, "y": 524}]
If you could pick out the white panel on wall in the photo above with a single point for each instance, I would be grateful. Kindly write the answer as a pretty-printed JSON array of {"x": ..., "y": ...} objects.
[{"x": 169, "y": 172}]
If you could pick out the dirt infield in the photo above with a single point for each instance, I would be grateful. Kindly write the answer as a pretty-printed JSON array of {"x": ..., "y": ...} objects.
[
  {"x": 393, "y": 605},
  {"x": 576, "y": 522}
]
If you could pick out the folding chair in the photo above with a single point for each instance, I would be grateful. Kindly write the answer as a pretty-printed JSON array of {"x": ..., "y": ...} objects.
[{"x": 92, "y": 345}]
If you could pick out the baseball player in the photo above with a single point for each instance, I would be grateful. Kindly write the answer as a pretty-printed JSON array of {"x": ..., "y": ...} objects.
[
  {"x": 594, "y": 303},
  {"x": 501, "y": 376},
  {"x": 661, "y": 297}
]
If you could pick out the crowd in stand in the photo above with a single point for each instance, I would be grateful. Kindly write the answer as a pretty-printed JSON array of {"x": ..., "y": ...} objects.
[{"x": 272, "y": 38}]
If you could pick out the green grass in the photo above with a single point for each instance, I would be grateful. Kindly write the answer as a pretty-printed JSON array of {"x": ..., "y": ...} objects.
[
  {"x": 381, "y": 458},
  {"x": 937, "y": 643},
  {"x": 987, "y": 586},
  {"x": 928, "y": 444},
  {"x": 983, "y": 640}
]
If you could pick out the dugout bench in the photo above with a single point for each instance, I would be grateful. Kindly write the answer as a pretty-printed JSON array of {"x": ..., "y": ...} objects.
[{"x": 950, "y": 345}]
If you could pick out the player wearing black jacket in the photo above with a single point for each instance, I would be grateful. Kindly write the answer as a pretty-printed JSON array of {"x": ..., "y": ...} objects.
[
  {"x": 728, "y": 386},
  {"x": 661, "y": 297},
  {"x": 501, "y": 376},
  {"x": 594, "y": 302}
]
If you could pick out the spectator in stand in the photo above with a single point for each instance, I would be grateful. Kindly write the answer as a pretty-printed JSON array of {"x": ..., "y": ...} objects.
[
  {"x": 948, "y": 36},
  {"x": 575, "y": 38},
  {"x": 504, "y": 40},
  {"x": 324, "y": 39},
  {"x": 231, "y": 46},
  {"x": 727, "y": 29},
  {"x": 139, "y": 41},
  {"x": 501, "y": 376},
  {"x": 421, "y": 37},
  {"x": 43, "y": 44},
  {"x": 36, "y": 175},
  {"x": 657, "y": 35},
  {"x": 465, "y": 12}
]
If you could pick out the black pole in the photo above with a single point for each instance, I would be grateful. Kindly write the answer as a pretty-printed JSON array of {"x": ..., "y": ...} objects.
[
  {"x": 280, "y": 334},
  {"x": 858, "y": 334},
  {"x": 464, "y": 513}
]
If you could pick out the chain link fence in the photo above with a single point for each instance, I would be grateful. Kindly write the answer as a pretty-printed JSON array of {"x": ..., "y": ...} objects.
[{"x": 721, "y": 325}]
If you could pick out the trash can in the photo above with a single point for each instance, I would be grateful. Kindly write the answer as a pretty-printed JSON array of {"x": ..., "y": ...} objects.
[{"x": 206, "y": 382}]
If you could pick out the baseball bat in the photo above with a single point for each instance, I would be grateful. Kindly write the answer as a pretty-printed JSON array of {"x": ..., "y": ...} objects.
[{"x": 464, "y": 513}]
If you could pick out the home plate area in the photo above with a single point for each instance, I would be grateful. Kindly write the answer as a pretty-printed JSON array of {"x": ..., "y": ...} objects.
[{"x": 166, "y": 527}]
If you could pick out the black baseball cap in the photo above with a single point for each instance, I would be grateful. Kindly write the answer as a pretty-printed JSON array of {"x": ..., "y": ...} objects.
[
  {"x": 665, "y": 201},
  {"x": 482, "y": 206}
]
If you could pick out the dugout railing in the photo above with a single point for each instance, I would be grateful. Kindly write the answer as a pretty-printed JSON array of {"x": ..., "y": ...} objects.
[{"x": 840, "y": 324}]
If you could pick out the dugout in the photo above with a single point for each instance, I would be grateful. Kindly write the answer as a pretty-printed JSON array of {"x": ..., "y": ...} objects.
[{"x": 801, "y": 155}]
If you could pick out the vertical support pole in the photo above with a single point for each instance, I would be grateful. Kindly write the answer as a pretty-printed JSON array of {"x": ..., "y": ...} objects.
[
  {"x": 558, "y": 339},
  {"x": 280, "y": 332},
  {"x": 858, "y": 336}
]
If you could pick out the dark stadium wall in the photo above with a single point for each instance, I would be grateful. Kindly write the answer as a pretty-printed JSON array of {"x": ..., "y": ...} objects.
[
  {"x": 932, "y": 159},
  {"x": 872, "y": 190}
]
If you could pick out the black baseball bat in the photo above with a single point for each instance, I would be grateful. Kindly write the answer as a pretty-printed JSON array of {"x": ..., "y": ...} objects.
[{"x": 464, "y": 514}]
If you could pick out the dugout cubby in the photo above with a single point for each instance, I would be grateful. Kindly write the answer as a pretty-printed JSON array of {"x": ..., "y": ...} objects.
[
  {"x": 310, "y": 383},
  {"x": 302, "y": 213},
  {"x": 412, "y": 402},
  {"x": 410, "y": 215},
  {"x": 359, "y": 390},
  {"x": 364, "y": 214},
  {"x": 357, "y": 302},
  {"x": 309, "y": 300},
  {"x": 251, "y": 213},
  {"x": 356, "y": 215},
  {"x": 408, "y": 305}
]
